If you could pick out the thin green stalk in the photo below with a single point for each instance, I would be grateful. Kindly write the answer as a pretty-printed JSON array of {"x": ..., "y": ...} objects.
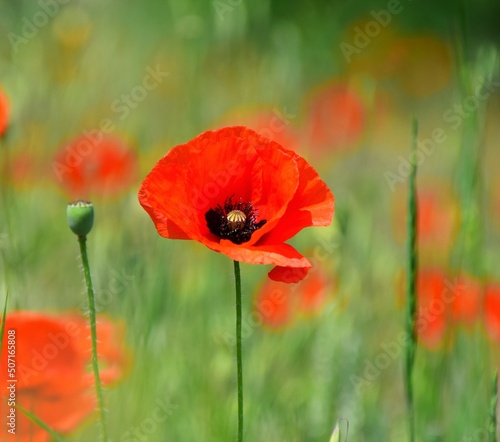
[
  {"x": 82, "y": 240},
  {"x": 411, "y": 298},
  {"x": 493, "y": 408},
  {"x": 237, "y": 279},
  {"x": 39, "y": 423},
  {"x": 4, "y": 316}
]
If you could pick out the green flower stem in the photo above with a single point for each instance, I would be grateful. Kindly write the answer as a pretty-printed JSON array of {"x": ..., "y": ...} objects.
[
  {"x": 237, "y": 279},
  {"x": 411, "y": 298},
  {"x": 93, "y": 332},
  {"x": 493, "y": 408}
]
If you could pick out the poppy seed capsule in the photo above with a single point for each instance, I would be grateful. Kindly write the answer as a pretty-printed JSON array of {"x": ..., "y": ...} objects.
[
  {"x": 80, "y": 216},
  {"x": 236, "y": 219}
]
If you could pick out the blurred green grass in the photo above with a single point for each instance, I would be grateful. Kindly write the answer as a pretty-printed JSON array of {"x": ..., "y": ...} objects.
[{"x": 177, "y": 299}]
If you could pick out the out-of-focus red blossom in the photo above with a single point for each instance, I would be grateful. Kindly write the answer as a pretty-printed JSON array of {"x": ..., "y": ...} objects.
[
  {"x": 466, "y": 305},
  {"x": 431, "y": 315},
  {"x": 274, "y": 124},
  {"x": 278, "y": 304},
  {"x": 239, "y": 194},
  {"x": 4, "y": 112},
  {"x": 492, "y": 311},
  {"x": 444, "y": 303},
  {"x": 438, "y": 217},
  {"x": 335, "y": 118},
  {"x": 52, "y": 359},
  {"x": 95, "y": 165}
]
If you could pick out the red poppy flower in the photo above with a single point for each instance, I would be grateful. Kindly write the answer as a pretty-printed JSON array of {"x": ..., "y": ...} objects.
[
  {"x": 238, "y": 194},
  {"x": 492, "y": 311},
  {"x": 444, "y": 302},
  {"x": 278, "y": 304},
  {"x": 4, "y": 112},
  {"x": 52, "y": 356},
  {"x": 336, "y": 118},
  {"x": 95, "y": 164},
  {"x": 431, "y": 316},
  {"x": 466, "y": 306}
]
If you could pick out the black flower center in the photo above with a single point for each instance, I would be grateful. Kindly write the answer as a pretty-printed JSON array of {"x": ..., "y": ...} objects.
[{"x": 233, "y": 221}]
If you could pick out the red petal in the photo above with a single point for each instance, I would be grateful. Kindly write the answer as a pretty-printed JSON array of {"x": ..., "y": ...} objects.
[
  {"x": 288, "y": 274},
  {"x": 277, "y": 254},
  {"x": 312, "y": 205}
]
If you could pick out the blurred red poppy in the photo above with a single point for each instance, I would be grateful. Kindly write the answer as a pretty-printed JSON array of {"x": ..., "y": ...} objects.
[
  {"x": 466, "y": 306},
  {"x": 52, "y": 355},
  {"x": 335, "y": 118},
  {"x": 4, "y": 112},
  {"x": 93, "y": 165},
  {"x": 239, "y": 194},
  {"x": 278, "y": 304},
  {"x": 444, "y": 302},
  {"x": 492, "y": 311},
  {"x": 432, "y": 308}
]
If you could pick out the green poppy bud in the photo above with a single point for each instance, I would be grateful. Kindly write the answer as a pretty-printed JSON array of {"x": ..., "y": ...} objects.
[{"x": 80, "y": 217}]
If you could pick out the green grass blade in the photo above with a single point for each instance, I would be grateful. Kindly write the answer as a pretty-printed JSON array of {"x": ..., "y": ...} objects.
[
  {"x": 40, "y": 423},
  {"x": 4, "y": 315},
  {"x": 411, "y": 296},
  {"x": 493, "y": 408}
]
